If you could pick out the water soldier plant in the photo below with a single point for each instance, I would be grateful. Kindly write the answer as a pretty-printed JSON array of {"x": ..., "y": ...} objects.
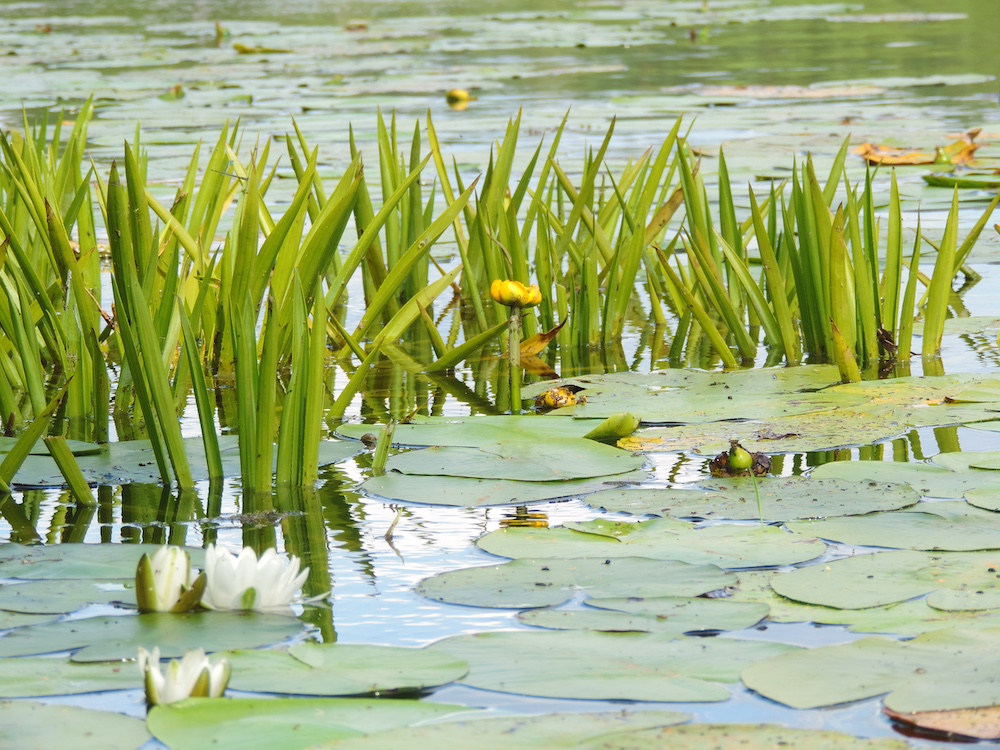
[{"x": 219, "y": 295}]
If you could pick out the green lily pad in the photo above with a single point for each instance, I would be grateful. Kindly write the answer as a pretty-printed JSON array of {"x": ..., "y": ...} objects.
[
  {"x": 288, "y": 723},
  {"x": 553, "y": 732},
  {"x": 76, "y": 447},
  {"x": 549, "y": 460},
  {"x": 782, "y": 498},
  {"x": 661, "y": 539},
  {"x": 743, "y": 736},
  {"x": 474, "y": 431},
  {"x": 133, "y": 461},
  {"x": 929, "y": 481},
  {"x": 952, "y": 580},
  {"x": 76, "y": 561},
  {"x": 10, "y": 620},
  {"x": 34, "y": 725},
  {"x": 664, "y": 615},
  {"x": 987, "y": 498},
  {"x": 115, "y": 638},
  {"x": 908, "y": 618},
  {"x": 463, "y": 492},
  {"x": 36, "y": 677},
  {"x": 54, "y": 597},
  {"x": 335, "y": 669},
  {"x": 938, "y": 671},
  {"x": 605, "y": 666},
  {"x": 955, "y": 526},
  {"x": 548, "y": 582}
]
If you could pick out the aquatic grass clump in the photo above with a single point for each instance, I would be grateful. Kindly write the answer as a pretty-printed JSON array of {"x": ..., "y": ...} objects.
[{"x": 257, "y": 314}]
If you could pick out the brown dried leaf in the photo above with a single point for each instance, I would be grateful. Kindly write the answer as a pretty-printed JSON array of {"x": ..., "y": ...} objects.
[
  {"x": 534, "y": 344},
  {"x": 980, "y": 723}
]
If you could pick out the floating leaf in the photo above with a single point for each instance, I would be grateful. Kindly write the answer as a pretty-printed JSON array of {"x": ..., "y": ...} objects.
[
  {"x": 662, "y": 539},
  {"x": 744, "y": 737},
  {"x": 552, "y": 731},
  {"x": 35, "y": 725},
  {"x": 783, "y": 499},
  {"x": 953, "y": 580},
  {"x": 288, "y": 723},
  {"x": 553, "y": 459},
  {"x": 76, "y": 561},
  {"x": 909, "y": 618},
  {"x": 929, "y": 481},
  {"x": 472, "y": 432},
  {"x": 338, "y": 669},
  {"x": 35, "y": 677},
  {"x": 547, "y": 582},
  {"x": 56, "y": 597},
  {"x": 942, "y": 670},
  {"x": 116, "y": 638},
  {"x": 463, "y": 492},
  {"x": 133, "y": 461},
  {"x": 663, "y": 615},
  {"x": 605, "y": 666},
  {"x": 954, "y": 526}
]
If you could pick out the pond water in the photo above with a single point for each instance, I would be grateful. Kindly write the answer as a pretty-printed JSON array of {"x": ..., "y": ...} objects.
[{"x": 768, "y": 81}]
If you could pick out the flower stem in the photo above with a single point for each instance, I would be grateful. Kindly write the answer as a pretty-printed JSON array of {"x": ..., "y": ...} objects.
[{"x": 514, "y": 358}]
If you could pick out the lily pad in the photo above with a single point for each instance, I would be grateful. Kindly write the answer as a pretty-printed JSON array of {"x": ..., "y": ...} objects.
[
  {"x": 952, "y": 580},
  {"x": 36, "y": 677},
  {"x": 288, "y": 723},
  {"x": 463, "y": 492},
  {"x": 743, "y": 736},
  {"x": 474, "y": 431},
  {"x": 606, "y": 666},
  {"x": 30, "y": 725},
  {"x": 660, "y": 538},
  {"x": 938, "y": 671},
  {"x": 664, "y": 615},
  {"x": 929, "y": 481},
  {"x": 116, "y": 638},
  {"x": 782, "y": 498},
  {"x": 553, "y": 731},
  {"x": 908, "y": 618},
  {"x": 549, "y": 460},
  {"x": 133, "y": 461},
  {"x": 78, "y": 561},
  {"x": 337, "y": 669},
  {"x": 548, "y": 582},
  {"x": 55, "y": 597},
  {"x": 955, "y": 526}
]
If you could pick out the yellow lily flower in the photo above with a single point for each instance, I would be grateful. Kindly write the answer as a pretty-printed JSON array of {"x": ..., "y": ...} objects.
[{"x": 515, "y": 294}]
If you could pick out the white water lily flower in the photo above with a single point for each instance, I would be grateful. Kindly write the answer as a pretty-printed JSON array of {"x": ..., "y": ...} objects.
[
  {"x": 166, "y": 583},
  {"x": 192, "y": 676},
  {"x": 245, "y": 582}
]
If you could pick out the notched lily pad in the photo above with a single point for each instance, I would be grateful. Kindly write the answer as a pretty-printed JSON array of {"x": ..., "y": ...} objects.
[
  {"x": 463, "y": 492},
  {"x": 56, "y": 597},
  {"x": 782, "y": 498},
  {"x": 548, "y": 582},
  {"x": 939, "y": 671},
  {"x": 36, "y": 677},
  {"x": 288, "y": 723},
  {"x": 116, "y": 638},
  {"x": 954, "y": 526},
  {"x": 342, "y": 669},
  {"x": 952, "y": 580},
  {"x": 549, "y": 460},
  {"x": 78, "y": 561},
  {"x": 743, "y": 736},
  {"x": 553, "y": 731},
  {"x": 27, "y": 724},
  {"x": 664, "y": 615},
  {"x": 661, "y": 538},
  {"x": 606, "y": 666}
]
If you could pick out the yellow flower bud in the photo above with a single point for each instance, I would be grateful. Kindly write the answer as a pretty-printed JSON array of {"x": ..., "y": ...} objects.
[{"x": 514, "y": 293}]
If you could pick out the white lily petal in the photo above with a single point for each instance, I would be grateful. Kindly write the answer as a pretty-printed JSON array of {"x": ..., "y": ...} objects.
[
  {"x": 181, "y": 676},
  {"x": 276, "y": 581}
]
